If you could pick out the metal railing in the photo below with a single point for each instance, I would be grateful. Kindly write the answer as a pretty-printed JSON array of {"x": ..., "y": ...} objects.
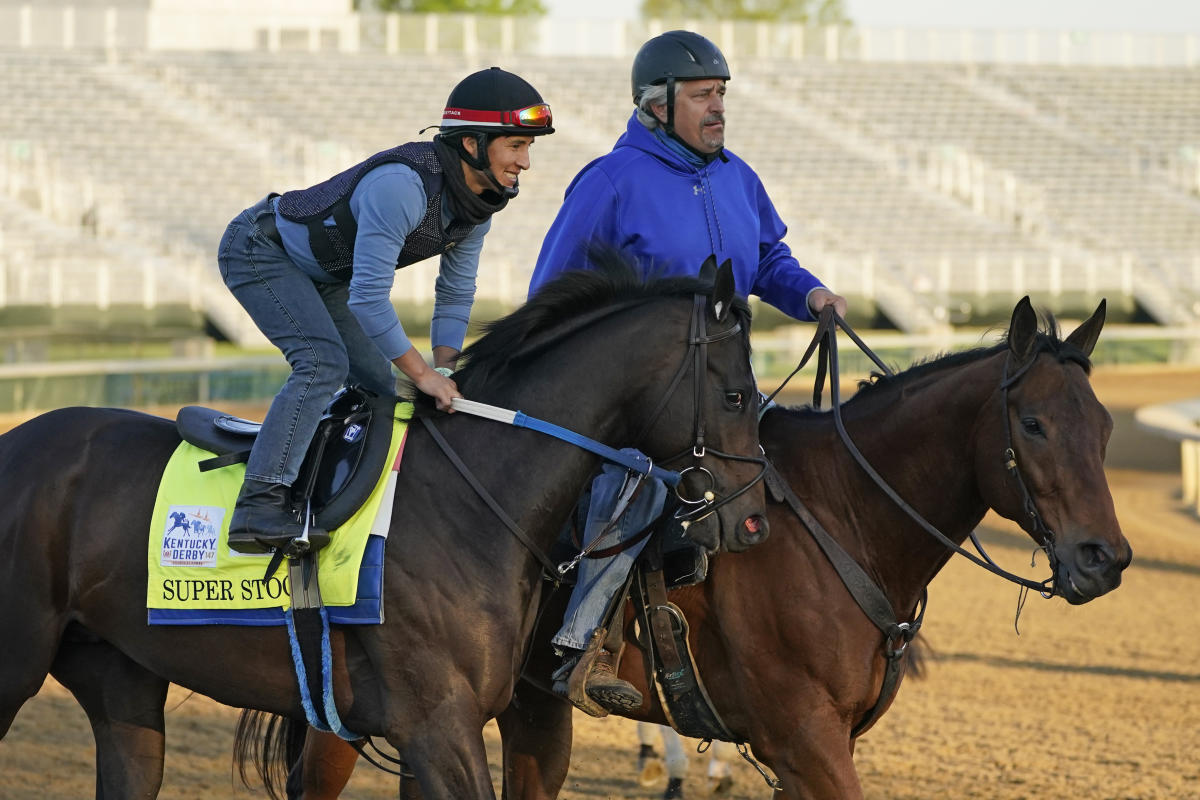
[{"x": 132, "y": 383}]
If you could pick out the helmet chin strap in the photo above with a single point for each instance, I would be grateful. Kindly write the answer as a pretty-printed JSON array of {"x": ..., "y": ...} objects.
[
  {"x": 670, "y": 106},
  {"x": 507, "y": 191},
  {"x": 482, "y": 165}
]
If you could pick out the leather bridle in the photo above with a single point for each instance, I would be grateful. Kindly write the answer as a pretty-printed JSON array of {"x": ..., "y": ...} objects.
[
  {"x": 826, "y": 338},
  {"x": 694, "y": 509}
]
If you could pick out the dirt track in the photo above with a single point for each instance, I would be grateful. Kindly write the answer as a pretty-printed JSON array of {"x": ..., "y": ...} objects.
[{"x": 1097, "y": 701}]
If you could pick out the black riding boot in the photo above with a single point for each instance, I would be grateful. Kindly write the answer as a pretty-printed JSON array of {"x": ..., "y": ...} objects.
[{"x": 262, "y": 518}]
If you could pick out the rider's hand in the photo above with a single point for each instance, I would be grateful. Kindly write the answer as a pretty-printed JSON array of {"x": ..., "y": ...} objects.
[
  {"x": 440, "y": 388},
  {"x": 820, "y": 297}
]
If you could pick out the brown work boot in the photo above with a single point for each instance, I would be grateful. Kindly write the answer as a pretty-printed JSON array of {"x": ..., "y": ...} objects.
[{"x": 604, "y": 687}]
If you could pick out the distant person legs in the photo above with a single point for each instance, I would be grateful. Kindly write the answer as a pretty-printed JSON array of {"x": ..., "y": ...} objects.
[
  {"x": 651, "y": 768},
  {"x": 720, "y": 774}
]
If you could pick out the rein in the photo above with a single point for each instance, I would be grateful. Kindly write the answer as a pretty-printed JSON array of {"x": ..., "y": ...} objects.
[
  {"x": 633, "y": 460},
  {"x": 873, "y": 602},
  {"x": 636, "y": 461},
  {"x": 826, "y": 335}
]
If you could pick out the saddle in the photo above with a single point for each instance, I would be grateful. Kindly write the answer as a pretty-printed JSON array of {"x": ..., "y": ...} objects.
[{"x": 343, "y": 462}]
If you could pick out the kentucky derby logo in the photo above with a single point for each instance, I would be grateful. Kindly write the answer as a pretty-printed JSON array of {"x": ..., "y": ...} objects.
[{"x": 190, "y": 536}]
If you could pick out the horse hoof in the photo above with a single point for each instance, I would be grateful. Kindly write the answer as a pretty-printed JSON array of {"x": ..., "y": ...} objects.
[
  {"x": 651, "y": 773},
  {"x": 720, "y": 787}
]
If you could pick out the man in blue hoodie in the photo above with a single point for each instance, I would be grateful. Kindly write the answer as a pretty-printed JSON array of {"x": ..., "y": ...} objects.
[{"x": 670, "y": 195}]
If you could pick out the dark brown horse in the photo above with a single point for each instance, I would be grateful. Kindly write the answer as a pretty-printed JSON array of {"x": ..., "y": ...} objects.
[
  {"x": 792, "y": 664},
  {"x": 624, "y": 363}
]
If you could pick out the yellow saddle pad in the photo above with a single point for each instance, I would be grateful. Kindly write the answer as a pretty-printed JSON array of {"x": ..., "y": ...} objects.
[{"x": 194, "y": 578}]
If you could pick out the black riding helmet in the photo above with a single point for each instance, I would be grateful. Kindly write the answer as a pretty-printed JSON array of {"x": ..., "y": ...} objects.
[
  {"x": 676, "y": 56},
  {"x": 492, "y": 103}
]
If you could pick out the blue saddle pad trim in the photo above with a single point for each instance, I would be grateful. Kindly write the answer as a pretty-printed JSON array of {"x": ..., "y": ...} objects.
[{"x": 367, "y": 608}]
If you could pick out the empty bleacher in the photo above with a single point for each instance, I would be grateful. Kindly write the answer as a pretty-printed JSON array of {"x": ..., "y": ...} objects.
[{"x": 933, "y": 192}]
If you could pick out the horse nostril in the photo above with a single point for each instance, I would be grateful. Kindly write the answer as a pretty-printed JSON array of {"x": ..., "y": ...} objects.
[
  {"x": 1094, "y": 556},
  {"x": 754, "y": 529}
]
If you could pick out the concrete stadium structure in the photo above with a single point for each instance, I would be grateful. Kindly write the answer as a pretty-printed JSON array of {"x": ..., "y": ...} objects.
[{"x": 932, "y": 179}]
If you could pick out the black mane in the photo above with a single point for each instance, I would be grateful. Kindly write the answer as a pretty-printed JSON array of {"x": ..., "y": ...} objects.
[{"x": 614, "y": 282}]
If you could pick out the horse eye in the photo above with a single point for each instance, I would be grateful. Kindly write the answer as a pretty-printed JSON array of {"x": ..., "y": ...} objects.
[
  {"x": 735, "y": 399},
  {"x": 1031, "y": 426}
]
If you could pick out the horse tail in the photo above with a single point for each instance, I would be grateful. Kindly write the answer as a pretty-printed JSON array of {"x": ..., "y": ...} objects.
[
  {"x": 272, "y": 743},
  {"x": 917, "y": 655}
]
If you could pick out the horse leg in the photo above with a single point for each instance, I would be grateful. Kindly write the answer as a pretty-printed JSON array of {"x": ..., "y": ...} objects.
[
  {"x": 443, "y": 746},
  {"x": 812, "y": 758},
  {"x": 324, "y": 768},
  {"x": 124, "y": 703},
  {"x": 536, "y": 733},
  {"x": 36, "y": 637}
]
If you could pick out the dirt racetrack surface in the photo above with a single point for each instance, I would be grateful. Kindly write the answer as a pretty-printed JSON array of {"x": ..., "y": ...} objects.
[{"x": 1096, "y": 701}]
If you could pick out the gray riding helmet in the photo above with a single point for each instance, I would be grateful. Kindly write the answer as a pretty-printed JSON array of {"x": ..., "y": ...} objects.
[{"x": 676, "y": 56}]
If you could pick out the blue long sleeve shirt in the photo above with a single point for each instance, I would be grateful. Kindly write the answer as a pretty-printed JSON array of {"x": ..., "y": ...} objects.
[
  {"x": 647, "y": 200},
  {"x": 387, "y": 204}
]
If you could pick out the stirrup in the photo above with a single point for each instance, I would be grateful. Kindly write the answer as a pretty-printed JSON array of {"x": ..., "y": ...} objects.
[{"x": 577, "y": 680}]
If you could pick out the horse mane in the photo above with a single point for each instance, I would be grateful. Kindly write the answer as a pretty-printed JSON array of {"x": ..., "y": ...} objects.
[
  {"x": 1046, "y": 340},
  {"x": 613, "y": 283}
]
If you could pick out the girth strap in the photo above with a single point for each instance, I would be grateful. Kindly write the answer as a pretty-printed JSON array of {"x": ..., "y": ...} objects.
[{"x": 669, "y": 662}]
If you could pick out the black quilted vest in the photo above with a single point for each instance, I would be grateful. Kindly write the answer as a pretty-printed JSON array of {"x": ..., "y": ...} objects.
[{"x": 333, "y": 246}]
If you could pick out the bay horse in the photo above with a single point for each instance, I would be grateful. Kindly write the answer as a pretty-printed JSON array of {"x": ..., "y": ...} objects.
[
  {"x": 625, "y": 363},
  {"x": 791, "y": 663}
]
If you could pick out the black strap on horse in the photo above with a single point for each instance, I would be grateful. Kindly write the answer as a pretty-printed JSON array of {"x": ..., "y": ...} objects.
[
  {"x": 695, "y": 509},
  {"x": 827, "y": 335},
  {"x": 866, "y": 593},
  {"x": 869, "y": 597},
  {"x": 668, "y": 657},
  {"x": 549, "y": 566}
]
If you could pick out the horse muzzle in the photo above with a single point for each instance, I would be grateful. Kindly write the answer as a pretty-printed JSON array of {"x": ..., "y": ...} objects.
[{"x": 1089, "y": 569}]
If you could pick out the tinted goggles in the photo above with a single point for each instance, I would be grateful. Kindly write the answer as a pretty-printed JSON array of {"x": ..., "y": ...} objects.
[{"x": 535, "y": 116}]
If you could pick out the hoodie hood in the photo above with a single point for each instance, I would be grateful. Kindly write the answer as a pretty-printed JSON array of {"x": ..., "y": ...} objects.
[{"x": 639, "y": 137}]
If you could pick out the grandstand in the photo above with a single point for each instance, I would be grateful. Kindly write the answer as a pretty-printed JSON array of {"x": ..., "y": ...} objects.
[{"x": 932, "y": 192}]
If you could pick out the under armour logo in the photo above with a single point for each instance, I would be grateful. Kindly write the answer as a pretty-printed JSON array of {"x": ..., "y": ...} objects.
[{"x": 697, "y": 189}]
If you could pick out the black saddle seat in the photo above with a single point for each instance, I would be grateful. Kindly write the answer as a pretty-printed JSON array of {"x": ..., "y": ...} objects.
[{"x": 344, "y": 460}]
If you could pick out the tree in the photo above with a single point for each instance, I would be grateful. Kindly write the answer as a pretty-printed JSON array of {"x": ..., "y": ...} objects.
[
  {"x": 533, "y": 8},
  {"x": 822, "y": 12}
]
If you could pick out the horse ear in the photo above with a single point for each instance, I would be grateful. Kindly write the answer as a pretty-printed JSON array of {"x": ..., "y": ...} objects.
[
  {"x": 1022, "y": 331},
  {"x": 708, "y": 270},
  {"x": 722, "y": 296},
  {"x": 1084, "y": 337}
]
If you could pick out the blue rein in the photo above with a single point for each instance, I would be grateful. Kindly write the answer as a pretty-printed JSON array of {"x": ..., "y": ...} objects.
[{"x": 634, "y": 461}]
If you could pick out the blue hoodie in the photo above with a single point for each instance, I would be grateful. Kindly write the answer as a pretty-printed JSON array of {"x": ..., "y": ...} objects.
[{"x": 647, "y": 200}]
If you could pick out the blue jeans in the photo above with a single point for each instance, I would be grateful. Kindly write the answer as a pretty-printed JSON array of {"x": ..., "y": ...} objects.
[
  {"x": 599, "y": 579},
  {"x": 311, "y": 324}
]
